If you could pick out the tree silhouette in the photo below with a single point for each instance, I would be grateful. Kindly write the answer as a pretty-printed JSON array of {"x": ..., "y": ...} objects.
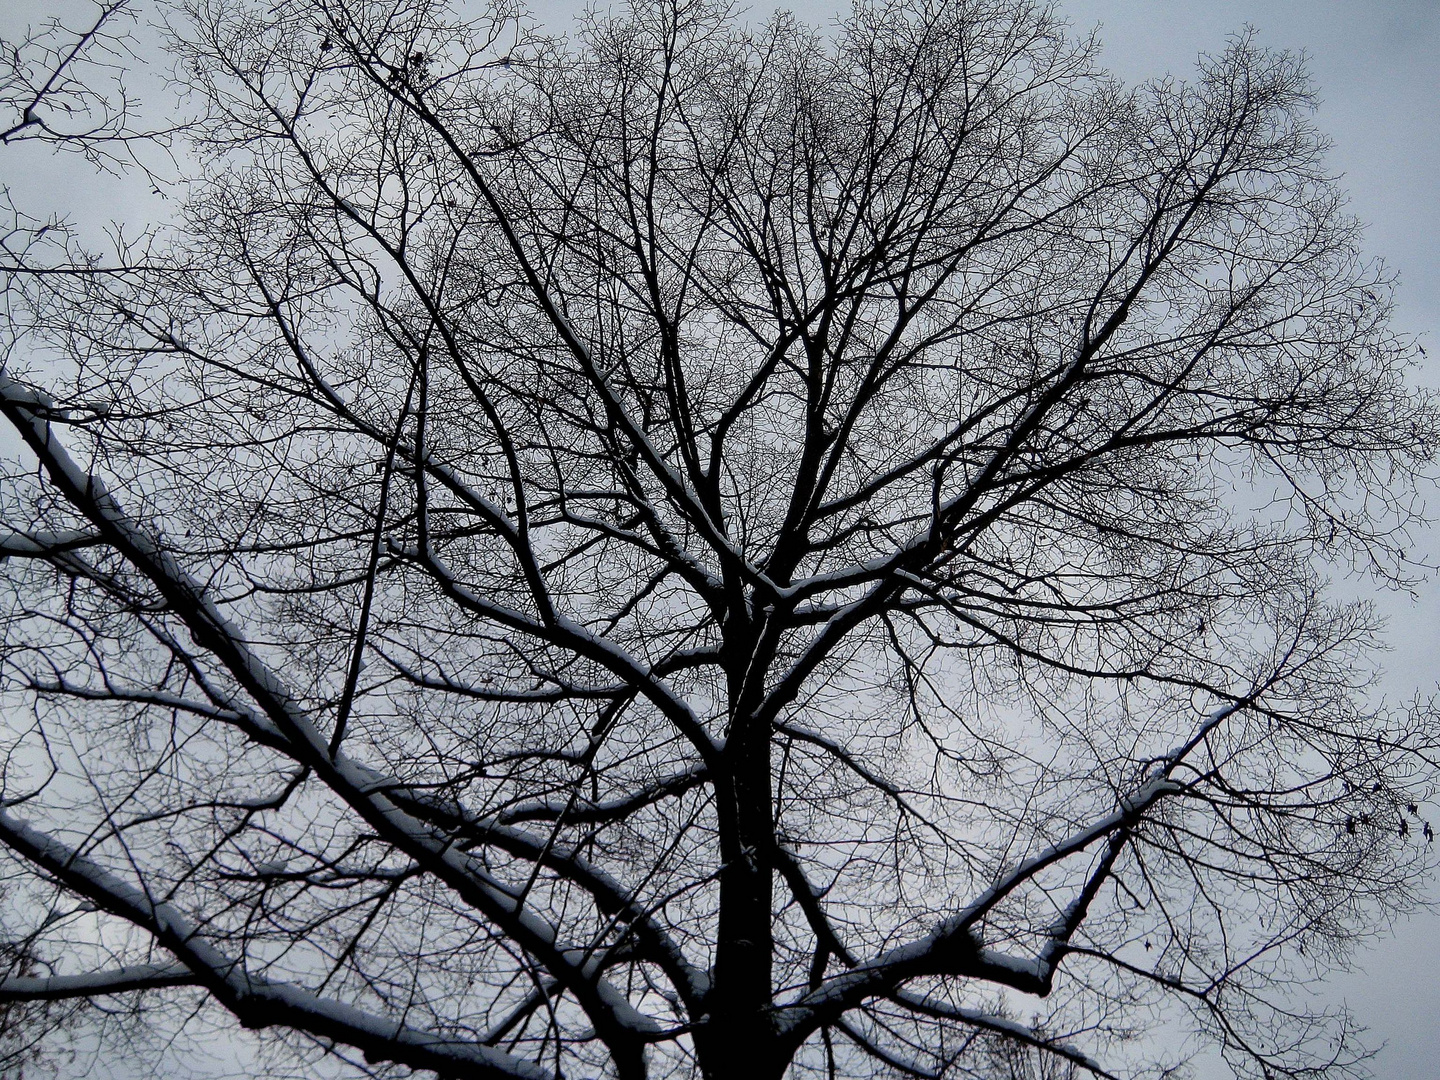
[{"x": 713, "y": 551}]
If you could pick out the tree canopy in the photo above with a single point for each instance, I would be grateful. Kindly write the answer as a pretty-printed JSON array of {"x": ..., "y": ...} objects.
[{"x": 706, "y": 549}]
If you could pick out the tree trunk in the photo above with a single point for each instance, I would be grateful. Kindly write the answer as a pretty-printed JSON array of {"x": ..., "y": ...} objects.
[{"x": 740, "y": 1034}]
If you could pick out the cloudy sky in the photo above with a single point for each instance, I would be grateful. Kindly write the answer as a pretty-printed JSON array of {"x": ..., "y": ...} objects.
[{"x": 1376, "y": 64}]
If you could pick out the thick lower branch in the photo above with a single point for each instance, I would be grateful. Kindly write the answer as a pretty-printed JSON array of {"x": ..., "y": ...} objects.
[{"x": 255, "y": 1000}]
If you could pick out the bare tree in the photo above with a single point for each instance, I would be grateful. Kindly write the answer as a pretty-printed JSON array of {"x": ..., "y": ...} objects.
[
  {"x": 717, "y": 552},
  {"x": 62, "y": 88},
  {"x": 65, "y": 88}
]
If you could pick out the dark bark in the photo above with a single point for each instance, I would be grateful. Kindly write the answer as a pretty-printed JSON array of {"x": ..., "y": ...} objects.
[{"x": 710, "y": 553}]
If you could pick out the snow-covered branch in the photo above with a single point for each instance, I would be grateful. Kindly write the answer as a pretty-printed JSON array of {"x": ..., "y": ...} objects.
[
  {"x": 122, "y": 980},
  {"x": 255, "y": 999},
  {"x": 953, "y": 948}
]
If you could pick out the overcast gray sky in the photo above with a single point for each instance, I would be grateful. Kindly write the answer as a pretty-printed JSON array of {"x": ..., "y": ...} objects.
[{"x": 1376, "y": 64}]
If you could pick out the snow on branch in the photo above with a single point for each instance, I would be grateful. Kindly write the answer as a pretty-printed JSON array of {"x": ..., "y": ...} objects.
[
  {"x": 123, "y": 980},
  {"x": 257, "y": 1001},
  {"x": 362, "y": 788},
  {"x": 952, "y": 948}
]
